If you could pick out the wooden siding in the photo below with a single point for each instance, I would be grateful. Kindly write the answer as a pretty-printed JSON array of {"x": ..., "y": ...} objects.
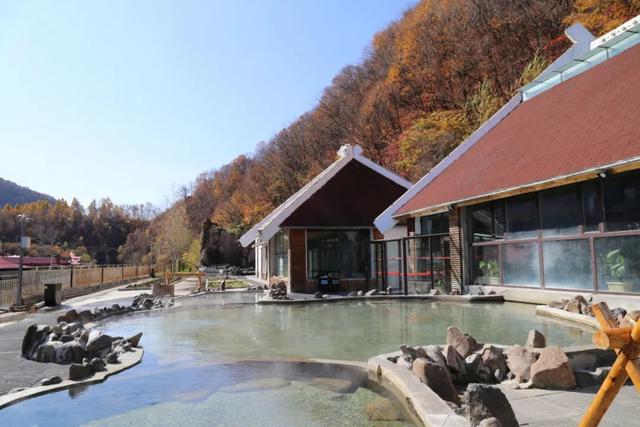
[{"x": 455, "y": 250}]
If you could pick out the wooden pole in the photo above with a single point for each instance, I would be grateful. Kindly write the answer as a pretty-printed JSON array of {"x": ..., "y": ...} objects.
[
  {"x": 622, "y": 369},
  {"x": 607, "y": 321}
]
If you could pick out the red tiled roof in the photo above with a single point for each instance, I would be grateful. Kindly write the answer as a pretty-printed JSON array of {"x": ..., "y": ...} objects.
[
  {"x": 6, "y": 264},
  {"x": 589, "y": 121}
]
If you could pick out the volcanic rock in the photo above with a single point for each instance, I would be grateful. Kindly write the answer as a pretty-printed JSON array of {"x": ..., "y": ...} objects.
[
  {"x": 484, "y": 401},
  {"x": 552, "y": 370},
  {"x": 535, "y": 339},
  {"x": 437, "y": 377}
]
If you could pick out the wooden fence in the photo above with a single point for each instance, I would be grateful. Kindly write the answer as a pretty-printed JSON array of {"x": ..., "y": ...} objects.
[{"x": 33, "y": 281}]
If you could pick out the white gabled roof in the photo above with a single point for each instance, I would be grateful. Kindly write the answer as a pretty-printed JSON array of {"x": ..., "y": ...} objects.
[
  {"x": 581, "y": 38},
  {"x": 270, "y": 225}
]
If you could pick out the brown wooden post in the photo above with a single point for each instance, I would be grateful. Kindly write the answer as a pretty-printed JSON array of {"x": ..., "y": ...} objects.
[{"x": 623, "y": 368}]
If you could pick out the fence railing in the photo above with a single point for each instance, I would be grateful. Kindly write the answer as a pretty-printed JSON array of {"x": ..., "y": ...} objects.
[{"x": 33, "y": 281}]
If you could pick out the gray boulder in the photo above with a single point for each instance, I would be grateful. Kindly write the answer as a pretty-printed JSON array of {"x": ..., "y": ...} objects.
[
  {"x": 493, "y": 358},
  {"x": 434, "y": 353},
  {"x": 79, "y": 371},
  {"x": 455, "y": 362},
  {"x": 519, "y": 361},
  {"x": 33, "y": 337},
  {"x": 552, "y": 370},
  {"x": 535, "y": 339},
  {"x": 112, "y": 357},
  {"x": 405, "y": 362},
  {"x": 371, "y": 292},
  {"x": 352, "y": 294},
  {"x": 484, "y": 401},
  {"x": 97, "y": 364},
  {"x": 360, "y": 293},
  {"x": 69, "y": 317},
  {"x": 51, "y": 380},
  {"x": 318, "y": 295},
  {"x": 71, "y": 351},
  {"x": 409, "y": 351},
  {"x": 436, "y": 377},
  {"x": 97, "y": 341},
  {"x": 464, "y": 344},
  {"x": 85, "y": 316},
  {"x": 48, "y": 352},
  {"x": 135, "y": 340}
]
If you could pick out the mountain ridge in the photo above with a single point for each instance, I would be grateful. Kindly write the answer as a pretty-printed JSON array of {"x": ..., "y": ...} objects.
[{"x": 14, "y": 194}]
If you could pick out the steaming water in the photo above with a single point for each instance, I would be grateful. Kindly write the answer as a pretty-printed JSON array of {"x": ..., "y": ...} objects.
[{"x": 181, "y": 381}]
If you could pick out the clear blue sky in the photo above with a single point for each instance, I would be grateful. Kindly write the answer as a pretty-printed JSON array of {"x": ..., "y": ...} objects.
[{"x": 130, "y": 99}]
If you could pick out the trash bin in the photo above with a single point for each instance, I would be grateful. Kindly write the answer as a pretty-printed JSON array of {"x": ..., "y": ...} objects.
[{"x": 52, "y": 294}]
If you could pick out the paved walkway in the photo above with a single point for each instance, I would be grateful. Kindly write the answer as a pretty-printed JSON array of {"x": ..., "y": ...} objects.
[{"x": 549, "y": 408}]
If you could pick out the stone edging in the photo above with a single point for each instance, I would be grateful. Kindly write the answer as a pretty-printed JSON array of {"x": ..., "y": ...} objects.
[
  {"x": 127, "y": 360},
  {"x": 427, "y": 405},
  {"x": 447, "y": 298},
  {"x": 545, "y": 310}
]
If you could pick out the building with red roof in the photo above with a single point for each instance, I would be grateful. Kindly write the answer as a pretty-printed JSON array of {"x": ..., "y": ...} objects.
[{"x": 546, "y": 194}]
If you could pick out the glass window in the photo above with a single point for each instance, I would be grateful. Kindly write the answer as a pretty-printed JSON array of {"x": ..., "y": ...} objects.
[
  {"x": 418, "y": 265},
  {"x": 393, "y": 265},
  {"x": 440, "y": 253},
  {"x": 567, "y": 264},
  {"x": 622, "y": 202},
  {"x": 486, "y": 265},
  {"x": 435, "y": 224},
  {"x": 482, "y": 223},
  {"x": 618, "y": 263},
  {"x": 521, "y": 264},
  {"x": 592, "y": 205},
  {"x": 522, "y": 217},
  {"x": 561, "y": 212},
  {"x": 337, "y": 252},
  {"x": 498, "y": 217},
  {"x": 280, "y": 264}
]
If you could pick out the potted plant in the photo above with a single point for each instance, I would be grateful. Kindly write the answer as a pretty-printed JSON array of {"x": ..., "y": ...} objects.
[
  {"x": 489, "y": 272},
  {"x": 617, "y": 270}
]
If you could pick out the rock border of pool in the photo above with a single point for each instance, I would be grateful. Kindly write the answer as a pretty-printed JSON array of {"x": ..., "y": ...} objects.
[
  {"x": 127, "y": 360},
  {"x": 309, "y": 299}
]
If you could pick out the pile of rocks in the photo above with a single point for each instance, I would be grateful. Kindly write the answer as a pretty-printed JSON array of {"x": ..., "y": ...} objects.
[
  {"x": 149, "y": 302},
  {"x": 278, "y": 289},
  {"x": 87, "y": 350},
  {"x": 577, "y": 304},
  {"x": 463, "y": 360},
  {"x": 582, "y": 305}
]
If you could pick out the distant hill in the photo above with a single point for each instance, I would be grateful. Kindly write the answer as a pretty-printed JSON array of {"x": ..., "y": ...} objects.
[{"x": 14, "y": 194}]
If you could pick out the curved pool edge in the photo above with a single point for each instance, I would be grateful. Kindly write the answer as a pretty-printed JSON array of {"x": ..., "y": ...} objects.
[
  {"x": 556, "y": 313},
  {"x": 127, "y": 360},
  {"x": 332, "y": 298},
  {"x": 425, "y": 403}
]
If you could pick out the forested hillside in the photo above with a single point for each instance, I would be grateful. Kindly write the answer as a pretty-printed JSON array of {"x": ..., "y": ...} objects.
[
  {"x": 14, "y": 194},
  {"x": 426, "y": 82}
]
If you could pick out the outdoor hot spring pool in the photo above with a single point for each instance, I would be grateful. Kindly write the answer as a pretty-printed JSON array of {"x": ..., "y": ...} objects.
[{"x": 191, "y": 371}]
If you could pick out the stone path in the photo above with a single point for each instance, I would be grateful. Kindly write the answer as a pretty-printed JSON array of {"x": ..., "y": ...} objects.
[{"x": 549, "y": 408}]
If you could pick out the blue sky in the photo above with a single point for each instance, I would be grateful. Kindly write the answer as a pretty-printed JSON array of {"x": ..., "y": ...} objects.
[{"x": 130, "y": 99}]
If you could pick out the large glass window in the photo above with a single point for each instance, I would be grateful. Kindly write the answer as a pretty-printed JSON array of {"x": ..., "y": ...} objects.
[
  {"x": 567, "y": 264},
  {"x": 341, "y": 253},
  {"x": 561, "y": 211},
  {"x": 486, "y": 265},
  {"x": 523, "y": 221},
  {"x": 280, "y": 247},
  {"x": 592, "y": 205},
  {"x": 435, "y": 224},
  {"x": 482, "y": 223},
  {"x": 393, "y": 265},
  {"x": 622, "y": 202},
  {"x": 521, "y": 264},
  {"x": 418, "y": 265},
  {"x": 440, "y": 255},
  {"x": 618, "y": 263}
]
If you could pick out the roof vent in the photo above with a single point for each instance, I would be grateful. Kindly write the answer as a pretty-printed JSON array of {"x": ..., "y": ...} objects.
[{"x": 349, "y": 150}]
